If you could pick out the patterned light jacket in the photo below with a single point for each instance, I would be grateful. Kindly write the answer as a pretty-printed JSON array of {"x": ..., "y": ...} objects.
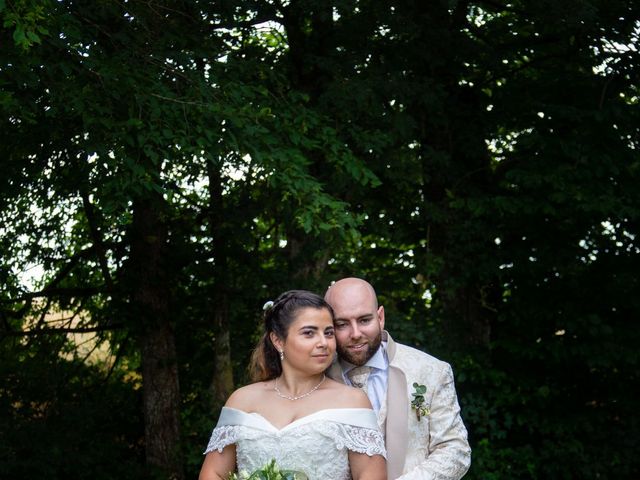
[{"x": 435, "y": 446}]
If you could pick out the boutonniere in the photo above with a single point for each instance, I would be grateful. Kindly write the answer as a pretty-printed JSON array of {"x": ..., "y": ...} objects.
[{"x": 417, "y": 403}]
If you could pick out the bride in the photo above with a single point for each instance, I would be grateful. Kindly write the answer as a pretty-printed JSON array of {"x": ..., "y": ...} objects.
[{"x": 294, "y": 414}]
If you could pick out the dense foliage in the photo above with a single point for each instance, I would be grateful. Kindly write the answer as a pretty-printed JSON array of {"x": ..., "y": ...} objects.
[{"x": 168, "y": 166}]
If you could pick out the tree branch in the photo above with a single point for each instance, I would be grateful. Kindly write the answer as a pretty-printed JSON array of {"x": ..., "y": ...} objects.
[
  {"x": 57, "y": 331},
  {"x": 60, "y": 292}
]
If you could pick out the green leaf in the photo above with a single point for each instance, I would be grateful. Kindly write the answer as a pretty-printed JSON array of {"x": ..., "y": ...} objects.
[
  {"x": 19, "y": 36},
  {"x": 33, "y": 36}
]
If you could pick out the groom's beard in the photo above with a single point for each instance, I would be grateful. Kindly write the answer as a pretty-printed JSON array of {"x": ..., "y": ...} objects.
[{"x": 358, "y": 358}]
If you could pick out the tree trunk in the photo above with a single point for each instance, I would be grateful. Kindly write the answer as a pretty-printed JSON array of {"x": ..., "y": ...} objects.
[
  {"x": 309, "y": 26},
  {"x": 460, "y": 140},
  {"x": 222, "y": 379},
  {"x": 150, "y": 302}
]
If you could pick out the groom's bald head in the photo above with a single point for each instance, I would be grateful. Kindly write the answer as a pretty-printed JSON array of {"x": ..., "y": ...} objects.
[{"x": 354, "y": 288}]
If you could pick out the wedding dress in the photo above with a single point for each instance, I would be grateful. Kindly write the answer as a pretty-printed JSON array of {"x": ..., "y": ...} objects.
[{"x": 316, "y": 444}]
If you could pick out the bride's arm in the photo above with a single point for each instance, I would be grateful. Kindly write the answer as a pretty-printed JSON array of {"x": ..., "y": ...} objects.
[
  {"x": 218, "y": 466},
  {"x": 365, "y": 467}
]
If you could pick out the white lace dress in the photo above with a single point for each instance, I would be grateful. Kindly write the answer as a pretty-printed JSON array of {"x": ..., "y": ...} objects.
[{"x": 316, "y": 444}]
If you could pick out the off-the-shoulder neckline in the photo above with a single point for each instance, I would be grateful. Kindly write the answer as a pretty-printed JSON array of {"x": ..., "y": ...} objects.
[{"x": 303, "y": 419}]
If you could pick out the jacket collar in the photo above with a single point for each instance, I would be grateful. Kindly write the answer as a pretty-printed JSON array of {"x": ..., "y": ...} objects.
[{"x": 391, "y": 345}]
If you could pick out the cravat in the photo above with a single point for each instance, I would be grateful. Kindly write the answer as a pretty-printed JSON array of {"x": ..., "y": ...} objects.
[{"x": 359, "y": 376}]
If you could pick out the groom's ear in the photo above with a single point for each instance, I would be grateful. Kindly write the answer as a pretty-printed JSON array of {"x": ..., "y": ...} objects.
[{"x": 381, "y": 317}]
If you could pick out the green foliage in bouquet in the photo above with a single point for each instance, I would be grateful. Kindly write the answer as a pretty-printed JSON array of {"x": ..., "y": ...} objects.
[{"x": 271, "y": 471}]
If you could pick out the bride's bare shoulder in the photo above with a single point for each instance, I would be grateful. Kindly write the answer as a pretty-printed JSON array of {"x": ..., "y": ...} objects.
[
  {"x": 350, "y": 397},
  {"x": 244, "y": 398}
]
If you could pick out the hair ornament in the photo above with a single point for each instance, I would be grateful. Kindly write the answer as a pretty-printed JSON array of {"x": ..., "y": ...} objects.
[{"x": 268, "y": 305}]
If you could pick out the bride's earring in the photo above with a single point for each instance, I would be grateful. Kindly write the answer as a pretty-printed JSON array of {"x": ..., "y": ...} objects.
[{"x": 281, "y": 355}]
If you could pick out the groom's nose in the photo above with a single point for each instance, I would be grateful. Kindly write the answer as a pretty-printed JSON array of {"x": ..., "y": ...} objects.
[{"x": 356, "y": 334}]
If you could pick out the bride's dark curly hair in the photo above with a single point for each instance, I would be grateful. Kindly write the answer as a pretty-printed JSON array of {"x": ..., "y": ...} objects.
[{"x": 265, "y": 360}]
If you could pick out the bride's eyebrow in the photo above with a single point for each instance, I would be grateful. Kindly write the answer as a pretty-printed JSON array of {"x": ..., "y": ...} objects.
[{"x": 308, "y": 327}]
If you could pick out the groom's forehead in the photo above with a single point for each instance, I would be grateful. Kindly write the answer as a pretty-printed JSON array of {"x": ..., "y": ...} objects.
[{"x": 354, "y": 310}]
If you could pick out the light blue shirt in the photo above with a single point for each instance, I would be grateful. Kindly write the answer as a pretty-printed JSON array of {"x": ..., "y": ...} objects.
[{"x": 377, "y": 382}]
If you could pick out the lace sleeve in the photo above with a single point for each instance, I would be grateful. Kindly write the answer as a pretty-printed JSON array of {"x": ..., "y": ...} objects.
[
  {"x": 223, "y": 436},
  {"x": 360, "y": 439}
]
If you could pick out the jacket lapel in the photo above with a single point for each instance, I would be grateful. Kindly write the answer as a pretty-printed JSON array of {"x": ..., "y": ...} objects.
[{"x": 397, "y": 428}]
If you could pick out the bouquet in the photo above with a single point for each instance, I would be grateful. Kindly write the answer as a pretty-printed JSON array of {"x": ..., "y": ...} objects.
[{"x": 270, "y": 472}]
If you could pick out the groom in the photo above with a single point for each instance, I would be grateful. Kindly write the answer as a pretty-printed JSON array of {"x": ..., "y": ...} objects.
[{"x": 428, "y": 441}]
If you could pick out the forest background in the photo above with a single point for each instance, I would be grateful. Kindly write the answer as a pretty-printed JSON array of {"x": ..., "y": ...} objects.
[{"x": 168, "y": 166}]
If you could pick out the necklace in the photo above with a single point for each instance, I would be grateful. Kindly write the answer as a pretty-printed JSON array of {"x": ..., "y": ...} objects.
[{"x": 289, "y": 397}]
